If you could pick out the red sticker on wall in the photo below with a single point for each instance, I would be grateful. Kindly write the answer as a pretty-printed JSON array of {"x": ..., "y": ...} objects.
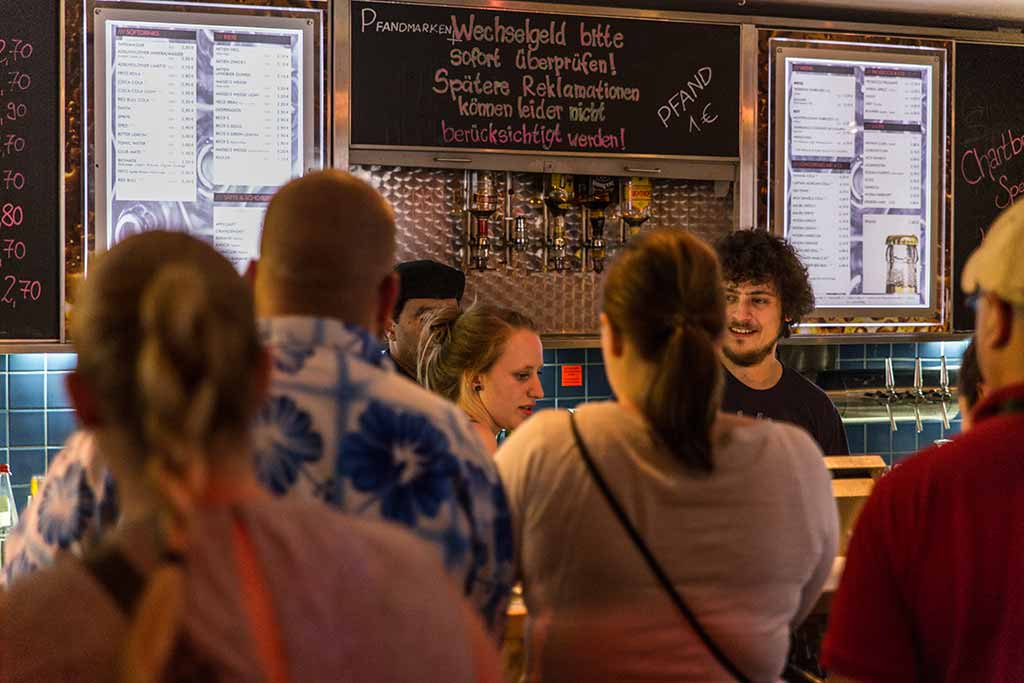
[{"x": 572, "y": 375}]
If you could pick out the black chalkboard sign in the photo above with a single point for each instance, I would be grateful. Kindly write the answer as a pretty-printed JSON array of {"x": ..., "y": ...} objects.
[
  {"x": 470, "y": 78},
  {"x": 988, "y": 161},
  {"x": 30, "y": 173}
]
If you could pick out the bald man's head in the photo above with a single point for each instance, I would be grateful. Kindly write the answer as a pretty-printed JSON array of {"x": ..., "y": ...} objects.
[{"x": 327, "y": 250}]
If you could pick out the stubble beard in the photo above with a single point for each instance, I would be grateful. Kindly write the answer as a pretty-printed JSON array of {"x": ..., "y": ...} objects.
[{"x": 752, "y": 357}]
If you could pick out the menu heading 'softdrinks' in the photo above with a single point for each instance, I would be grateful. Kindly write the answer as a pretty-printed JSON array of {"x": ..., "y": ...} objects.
[
  {"x": 857, "y": 156},
  {"x": 203, "y": 124}
]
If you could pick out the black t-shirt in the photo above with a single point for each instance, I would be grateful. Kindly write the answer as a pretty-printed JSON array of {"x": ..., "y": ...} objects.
[{"x": 793, "y": 399}]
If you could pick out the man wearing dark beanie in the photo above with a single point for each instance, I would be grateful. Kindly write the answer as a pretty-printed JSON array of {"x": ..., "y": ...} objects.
[{"x": 424, "y": 286}]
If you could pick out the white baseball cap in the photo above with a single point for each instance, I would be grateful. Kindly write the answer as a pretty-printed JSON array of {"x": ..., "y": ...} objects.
[{"x": 997, "y": 265}]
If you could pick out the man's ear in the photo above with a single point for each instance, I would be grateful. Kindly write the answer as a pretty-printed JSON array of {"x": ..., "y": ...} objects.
[
  {"x": 83, "y": 400},
  {"x": 387, "y": 295},
  {"x": 1001, "y": 318}
]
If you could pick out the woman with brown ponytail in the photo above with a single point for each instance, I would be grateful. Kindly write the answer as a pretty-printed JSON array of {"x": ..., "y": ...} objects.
[
  {"x": 207, "y": 576},
  {"x": 659, "y": 539}
]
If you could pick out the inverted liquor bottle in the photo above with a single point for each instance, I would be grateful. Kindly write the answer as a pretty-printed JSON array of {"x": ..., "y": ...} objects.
[
  {"x": 602, "y": 192},
  {"x": 483, "y": 204},
  {"x": 636, "y": 209},
  {"x": 558, "y": 196}
]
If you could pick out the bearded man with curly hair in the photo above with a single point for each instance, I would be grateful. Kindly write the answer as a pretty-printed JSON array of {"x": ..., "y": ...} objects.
[{"x": 767, "y": 292}]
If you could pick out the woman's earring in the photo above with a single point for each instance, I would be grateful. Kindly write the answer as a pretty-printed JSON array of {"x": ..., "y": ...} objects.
[{"x": 478, "y": 388}]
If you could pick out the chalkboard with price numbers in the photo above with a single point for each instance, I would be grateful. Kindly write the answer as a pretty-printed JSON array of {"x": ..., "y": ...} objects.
[{"x": 30, "y": 172}]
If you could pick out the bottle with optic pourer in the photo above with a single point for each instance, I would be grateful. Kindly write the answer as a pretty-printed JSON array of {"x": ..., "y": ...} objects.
[
  {"x": 558, "y": 196},
  {"x": 521, "y": 238},
  {"x": 602, "y": 192},
  {"x": 636, "y": 208},
  {"x": 483, "y": 204}
]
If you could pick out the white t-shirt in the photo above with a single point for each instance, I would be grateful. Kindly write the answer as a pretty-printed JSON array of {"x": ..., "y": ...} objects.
[{"x": 749, "y": 546}]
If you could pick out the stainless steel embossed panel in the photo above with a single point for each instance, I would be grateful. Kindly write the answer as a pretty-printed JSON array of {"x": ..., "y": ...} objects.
[{"x": 426, "y": 202}]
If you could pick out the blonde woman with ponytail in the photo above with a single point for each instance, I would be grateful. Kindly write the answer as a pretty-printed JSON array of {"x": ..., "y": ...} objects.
[
  {"x": 207, "y": 576},
  {"x": 487, "y": 360},
  {"x": 735, "y": 515}
]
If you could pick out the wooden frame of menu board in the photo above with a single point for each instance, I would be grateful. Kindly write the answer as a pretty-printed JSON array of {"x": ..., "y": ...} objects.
[
  {"x": 857, "y": 170},
  {"x": 392, "y": 57},
  {"x": 231, "y": 132},
  {"x": 32, "y": 177}
]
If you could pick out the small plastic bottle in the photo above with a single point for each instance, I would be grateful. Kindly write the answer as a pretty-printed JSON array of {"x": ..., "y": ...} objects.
[{"x": 8, "y": 510}]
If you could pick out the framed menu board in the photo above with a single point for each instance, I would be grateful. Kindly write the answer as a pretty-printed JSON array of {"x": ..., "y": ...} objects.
[
  {"x": 200, "y": 118},
  {"x": 31, "y": 178},
  {"x": 502, "y": 80},
  {"x": 857, "y": 167}
]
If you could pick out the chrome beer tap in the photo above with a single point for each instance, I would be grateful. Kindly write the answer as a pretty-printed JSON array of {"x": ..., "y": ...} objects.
[
  {"x": 917, "y": 395},
  {"x": 891, "y": 396},
  {"x": 944, "y": 393}
]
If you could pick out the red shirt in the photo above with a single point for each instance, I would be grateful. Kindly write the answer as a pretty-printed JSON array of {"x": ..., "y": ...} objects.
[{"x": 933, "y": 588}]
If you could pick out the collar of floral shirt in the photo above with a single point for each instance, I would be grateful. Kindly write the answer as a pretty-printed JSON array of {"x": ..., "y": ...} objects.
[{"x": 307, "y": 333}]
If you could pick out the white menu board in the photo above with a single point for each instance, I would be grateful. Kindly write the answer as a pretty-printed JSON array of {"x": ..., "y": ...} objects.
[
  {"x": 857, "y": 159},
  {"x": 203, "y": 118}
]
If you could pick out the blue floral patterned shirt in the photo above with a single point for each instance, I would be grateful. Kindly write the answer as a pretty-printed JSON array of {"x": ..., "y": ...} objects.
[{"x": 340, "y": 426}]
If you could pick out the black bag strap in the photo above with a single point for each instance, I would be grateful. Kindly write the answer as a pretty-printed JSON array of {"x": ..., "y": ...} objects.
[
  {"x": 119, "y": 577},
  {"x": 652, "y": 563}
]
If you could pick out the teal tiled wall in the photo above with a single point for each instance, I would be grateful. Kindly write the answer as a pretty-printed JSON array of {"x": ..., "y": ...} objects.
[
  {"x": 36, "y": 417},
  {"x": 878, "y": 438},
  {"x": 35, "y": 414},
  {"x": 875, "y": 438}
]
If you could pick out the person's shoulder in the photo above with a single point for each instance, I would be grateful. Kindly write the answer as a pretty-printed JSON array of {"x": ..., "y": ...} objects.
[
  {"x": 545, "y": 429},
  {"x": 43, "y": 586},
  {"x": 534, "y": 443},
  {"x": 766, "y": 430},
  {"x": 382, "y": 549},
  {"x": 58, "y": 601},
  {"x": 769, "y": 437},
  {"x": 79, "y": 449},
  {"x": 385, "y": 395},
  {"x": 975, "y": 453},
  {"x": 795, "y": 381},
  {"x": 399, "y": 390}
]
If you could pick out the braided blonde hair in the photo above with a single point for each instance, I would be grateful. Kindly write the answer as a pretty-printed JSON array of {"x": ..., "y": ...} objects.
[{"x": 167, "y": 343}]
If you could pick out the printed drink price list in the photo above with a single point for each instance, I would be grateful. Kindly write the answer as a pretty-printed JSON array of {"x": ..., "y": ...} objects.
[
  {"x": 857, "y": 176},
  {"x": 253, "y": 109},
  {"x": 205, "y": 122},
  {"x": 155, "y": 95},
  {"x": 821, "y": 117},
  {"x": 29, "y": 175}
]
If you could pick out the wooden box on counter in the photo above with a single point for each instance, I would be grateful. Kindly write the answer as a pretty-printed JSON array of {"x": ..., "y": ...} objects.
[{"x": 853, "y": 477}]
